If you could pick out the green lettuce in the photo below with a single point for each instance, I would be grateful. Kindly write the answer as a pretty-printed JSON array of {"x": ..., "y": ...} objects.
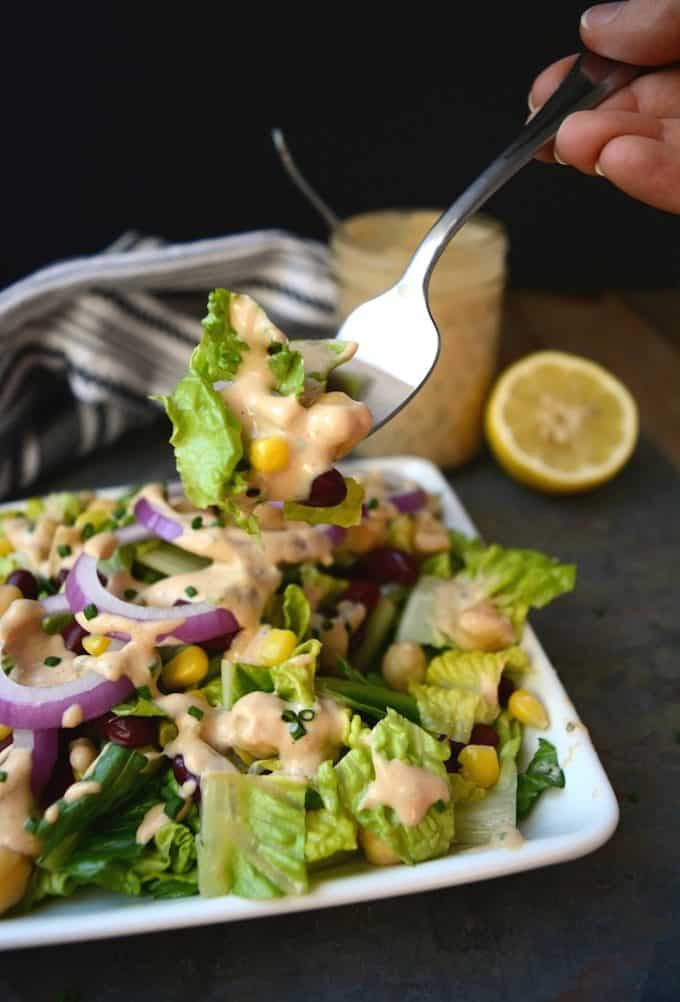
[
  {"x": 396, "y": 737},
  {"x": 321, "y": 590},
  {"x": 294, "y": 678},
  {"x": 288, "y": 370},
  {"x": 296, "y": 611},
  {"x": 542, "y": 773},
  {"x": 330, "y": 831},
  {"x": 252, "y": 838},
  {"x": 12, "y": 562},
  {"x": 346, "y": 514},
  {"x": 479, "y": 820},
  {"x": 220, "y": 352},
  {"x": 515, "y": 579}
]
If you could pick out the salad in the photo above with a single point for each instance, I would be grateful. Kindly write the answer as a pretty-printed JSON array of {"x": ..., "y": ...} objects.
[{"x": 236, "y": 682}]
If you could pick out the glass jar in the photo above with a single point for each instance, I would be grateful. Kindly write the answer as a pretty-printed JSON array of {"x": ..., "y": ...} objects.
[{"x": 369, "y": 252}]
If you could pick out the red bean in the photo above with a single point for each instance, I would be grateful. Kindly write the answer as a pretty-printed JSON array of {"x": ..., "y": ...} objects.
[
  {"x": 131, "y": 732},
  {"x": 452, "y": 764},
  {"x": 387, "y": 564},
  {"x": 484, "y": 734},
  {"x": 505, "y": 690},
  {"x": 182, "y": 775},
  {"x": 366, "y": 592},
  {"x": 25, "y": 582},
  {"x": 327, "y": 489},
  {"x": 72, "y": 636}
]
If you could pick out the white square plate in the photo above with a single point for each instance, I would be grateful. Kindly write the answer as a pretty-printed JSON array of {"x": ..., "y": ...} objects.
[{"x": 564, "y": 825}]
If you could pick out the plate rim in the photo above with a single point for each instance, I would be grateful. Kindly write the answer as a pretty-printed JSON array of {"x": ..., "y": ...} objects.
[{"x": 71, "y": 920}]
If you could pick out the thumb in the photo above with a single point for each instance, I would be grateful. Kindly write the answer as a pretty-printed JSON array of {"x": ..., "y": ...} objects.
[{"x": 642, "y": 32}]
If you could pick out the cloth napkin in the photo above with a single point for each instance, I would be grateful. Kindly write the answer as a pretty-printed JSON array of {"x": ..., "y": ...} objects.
[{"x": 85, "y": 342}]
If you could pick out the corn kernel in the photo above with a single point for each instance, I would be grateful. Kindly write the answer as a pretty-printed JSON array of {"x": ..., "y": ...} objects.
[
  {"x": 186, "y": 670},
  {"x": 524, "y": 706},
  {"x": 4, "y": 732},
  {"x": 5, "y": 547},
  {"x": 376, "y": 851},
  {"x": 8, "y": 594},
  {"x": 95, "y": 644},
  {"x": 96, "y": 517},
  {"x": 167, "y": 732},
  {"x": 276, "y": 647},
  {"x": 479, "y": 763},
  {"x": 269, "y": 455}
]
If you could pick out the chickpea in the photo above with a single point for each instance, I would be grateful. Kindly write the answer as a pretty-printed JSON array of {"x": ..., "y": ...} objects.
[
  {"x": 376, "y": 851},
  {"x": 15, "y": 870},
  {"x": 403, "y": 663}
]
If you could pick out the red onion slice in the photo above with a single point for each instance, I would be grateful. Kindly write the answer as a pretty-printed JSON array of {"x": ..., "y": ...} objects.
[
  {"x": 44, "y": 748},
  {"x": 410, "y": 501},
  {"x": 40, "y": 707},
  {"x": 335, "y": 533},
  {"x": 156, "y": 521},
  {"x": 133, "y": 533},
  {"x": 202, "y": 621},
  {"x": 55, "y": 604}
]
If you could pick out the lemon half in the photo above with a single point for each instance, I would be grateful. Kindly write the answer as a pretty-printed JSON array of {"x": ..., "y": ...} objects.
[{"x": 560, "y": 423}]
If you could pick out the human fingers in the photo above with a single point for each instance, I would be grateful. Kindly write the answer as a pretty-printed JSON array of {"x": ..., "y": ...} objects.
[{"x": 642, "y": 32}]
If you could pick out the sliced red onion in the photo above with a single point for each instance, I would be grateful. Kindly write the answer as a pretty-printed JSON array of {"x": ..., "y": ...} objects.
[
  {"x": 44, "y": 748},
  {"x": 157, "y": 521},
  {"x": 134, "y": 533},
  {"x": 40, "y": 707},
  {"x": 202, "y": 621},
  {"x": 55, "y": 604},
  {"x": 409, "y": 501},
  {"x": 335, "y": 533}
]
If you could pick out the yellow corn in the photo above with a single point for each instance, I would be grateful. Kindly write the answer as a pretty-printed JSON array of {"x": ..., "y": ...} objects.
[
  {"x": 479, "y": 763},
  {"x": 167, "y": 732},
  {"x": 186, "y": 670},
  {"x": 95, "y": 644},
  {"x": 4, "y": 732},
  {"x": 5, "y": 546},
  {"x": 8, "y": 594},
  {"x": 94, "y": 517},
  {"x": 524, "y": 706},
  {"x": 276, "y": 647},
  {"x": 269, "y": 455}
]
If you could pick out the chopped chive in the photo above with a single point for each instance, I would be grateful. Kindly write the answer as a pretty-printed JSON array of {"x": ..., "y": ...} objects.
[
  {"x": 327, "y": 625},
  {"x": 3, "y": 775},
  {"x": 64, "y": 550},
  {"x": 297, "y": 731},
  {"x": 56, "y": 623},
  {"x": 195, "y": 712},
  {"x": 373, "y": 503},
  {"x": 52, "y": 661},
  {"x": 289, "y": 716},
  {"x": 144, "y": 692},
  {"x": 119, "y": 513},
  {"x": 88, "y": 531},
  {"x": 439, "y": 805},
  {"x": 197, "y": 522},
  {"x": 307, "y": 715},
  {"x": 191, "y": 591},
  {"x": 7, "y": 663},
  {"x": 313, "y": 801},
  {"x": 130, "y": 593},
  {"x": 90, "y": 611},
  {"x": 173, "y": 805},
  {"x": 30, "y": 825}
]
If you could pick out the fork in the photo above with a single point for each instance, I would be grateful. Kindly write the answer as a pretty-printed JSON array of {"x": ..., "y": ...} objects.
[{"x": 398, "y": 338}]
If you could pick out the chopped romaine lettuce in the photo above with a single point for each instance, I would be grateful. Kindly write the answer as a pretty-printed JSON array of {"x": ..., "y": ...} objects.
[
  {"x": 296, "y": 611},
  {"x": 345, "y": 514},
  {"x": 288, "y": 369},
  {"x": 219, "y": 354},
  {"x": 252, "y": 839},
  {"x": 329, "y": 828}
]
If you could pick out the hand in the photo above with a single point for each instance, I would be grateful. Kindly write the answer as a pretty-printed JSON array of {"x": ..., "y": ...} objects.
[{"x": 632, "y": 138}]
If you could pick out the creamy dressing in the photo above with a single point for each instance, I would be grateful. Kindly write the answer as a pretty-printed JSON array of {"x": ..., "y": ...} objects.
[
  {"x": 24, "y": 640},
  {"x": 33, "y": 540},
  {"x": 81, "y": 755},
  {"x": 193, "y": 741},
  {"x": 72, "y": 716},
  {"x": 16, "y": 803},
  {"x": 409, "y": 790},
  {"x": 152, "y": 822},
  {"x": 52, "y": 814},
  {"x": 83, "y": 788},
  {"x": 137, "y": 657},
  {"x": 470, "y": 620}
]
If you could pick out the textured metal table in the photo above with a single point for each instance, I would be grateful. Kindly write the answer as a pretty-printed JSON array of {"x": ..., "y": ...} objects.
[{"x": 606, "y": 927}]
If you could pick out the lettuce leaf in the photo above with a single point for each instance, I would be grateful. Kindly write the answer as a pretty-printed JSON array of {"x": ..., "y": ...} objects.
[
  {"x": 321, "y": 590},
  {"x": 329, "y": 830},
  {"x": 515, "y": 579},
  {"x": 542, "y": 773},
  {"x": 288, "y": 370},
  {"x": 396, "y": 737},
  {"x": 220, "y": 352},
  {"x": 293, "y": 679},
  {"x": 346, "y": 514},
  {"x": 252, "y": 839},
  {"x": 296, "y": 611}
]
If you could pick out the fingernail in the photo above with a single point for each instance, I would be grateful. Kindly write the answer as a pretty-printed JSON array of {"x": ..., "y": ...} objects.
[
  {"x": 532, "y": 106},
  {"x": 598, "y": 170},
  {"x": 562, "y": 163},
  {"x": 603, "y": 13}
]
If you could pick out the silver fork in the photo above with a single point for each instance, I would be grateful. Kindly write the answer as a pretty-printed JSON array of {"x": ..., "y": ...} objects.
[{"x": 397, "y": 336}]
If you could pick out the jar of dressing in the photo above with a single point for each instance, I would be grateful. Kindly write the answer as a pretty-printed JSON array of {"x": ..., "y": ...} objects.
[{"x": 369, "y": 252}]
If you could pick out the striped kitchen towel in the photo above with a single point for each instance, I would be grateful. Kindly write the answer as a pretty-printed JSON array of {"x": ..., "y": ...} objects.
[{"x": 85, "y": 342}]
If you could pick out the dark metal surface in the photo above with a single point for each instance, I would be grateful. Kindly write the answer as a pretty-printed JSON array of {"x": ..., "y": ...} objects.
[{"x": 602, "y": 928}]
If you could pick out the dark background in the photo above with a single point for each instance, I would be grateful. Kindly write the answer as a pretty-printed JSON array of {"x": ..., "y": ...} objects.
[{"x": 118, "y": 117}]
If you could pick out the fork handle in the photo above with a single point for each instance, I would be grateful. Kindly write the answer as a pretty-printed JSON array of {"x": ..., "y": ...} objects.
[{"x": 591, "y": 79}]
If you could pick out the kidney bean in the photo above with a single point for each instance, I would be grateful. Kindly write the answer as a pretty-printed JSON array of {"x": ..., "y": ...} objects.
[
  {"x": 73, "y": 636},
  {"x": 505, "y": 690},
  {"x": 327, "y": 489},
  {"x": 484, "y": 734},
  {"x": 131, "y": 732},
  {"x": 387, "y": 564},
  {"x": 182, "y": 775},
  {"x": 24, "y": 581}
]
